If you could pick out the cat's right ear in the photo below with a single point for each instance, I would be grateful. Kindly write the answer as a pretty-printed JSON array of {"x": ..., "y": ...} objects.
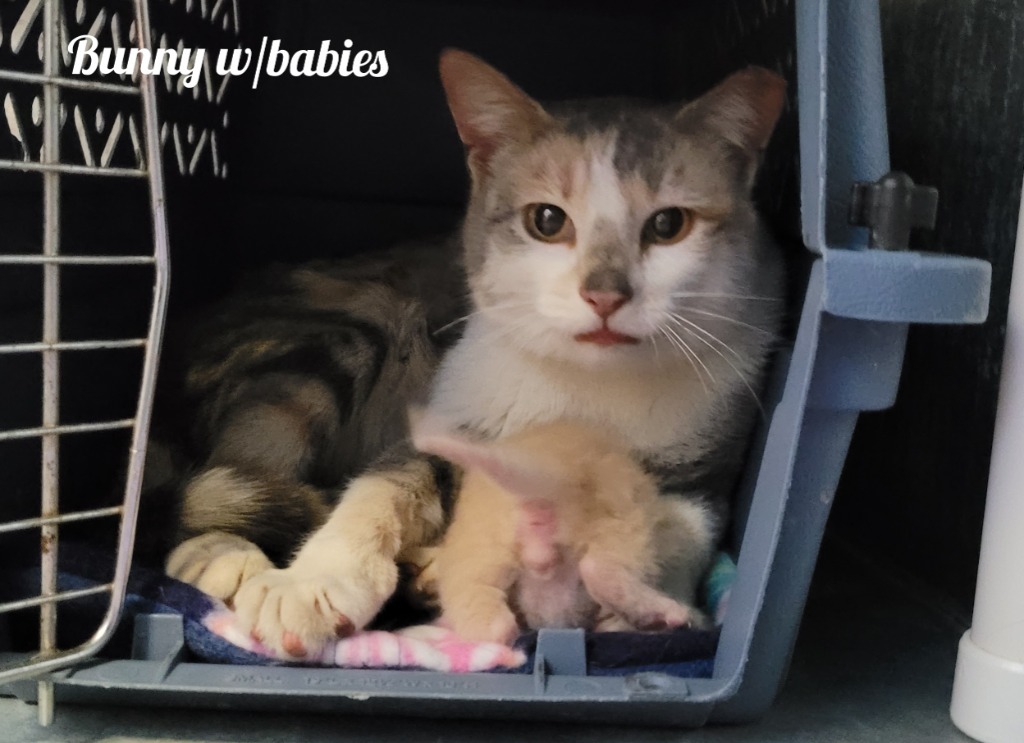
[
  {"x": 743, "y": 109},
  {"x": 490, "y": 111}
]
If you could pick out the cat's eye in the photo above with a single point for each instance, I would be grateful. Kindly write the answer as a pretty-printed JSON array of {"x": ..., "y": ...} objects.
[
  {"x": 667, "y": 226},
  {"x": 549, "y": 223}
]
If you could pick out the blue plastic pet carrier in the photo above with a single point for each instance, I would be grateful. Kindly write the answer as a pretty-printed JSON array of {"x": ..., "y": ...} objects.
[{"x": 862, "y": 292}]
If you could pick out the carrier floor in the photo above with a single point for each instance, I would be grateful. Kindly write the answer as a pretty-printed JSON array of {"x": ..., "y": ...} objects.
[{"x": 874, "y": 662}]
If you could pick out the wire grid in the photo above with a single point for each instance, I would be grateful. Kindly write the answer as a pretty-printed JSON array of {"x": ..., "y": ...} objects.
[{"x": 52, "y": 167}]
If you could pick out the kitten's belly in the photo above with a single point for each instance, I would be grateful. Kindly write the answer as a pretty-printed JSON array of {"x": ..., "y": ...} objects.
[{"x": 558, "y": 600}]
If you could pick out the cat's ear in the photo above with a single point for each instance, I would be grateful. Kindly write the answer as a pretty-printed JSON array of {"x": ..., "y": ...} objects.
[
  {"x": 743, "y": 109},
  {"x": 489, "y": 110}
]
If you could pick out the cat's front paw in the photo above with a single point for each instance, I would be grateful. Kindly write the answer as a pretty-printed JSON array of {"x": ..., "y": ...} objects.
[
  {"x": 296, "y": 613},
  {"x": 217, "y": 563}
]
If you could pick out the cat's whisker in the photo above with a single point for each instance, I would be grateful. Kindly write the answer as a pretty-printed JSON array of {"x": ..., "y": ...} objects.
[
  {"x": 455, "y": 322},
  {"x": 741, "y": 375},
  {"x": 504, "y": 331},
  {"x": 723, "y": 295},
  {"x": 680, "y": 320},
  {"x": 676, "y": 346},
  {"x": 465, "y": 318},
  {"x": 657, "y": 352},
  {"x": 501, "y": 329},
  {"x": 727, "y": 319},
  {"x": 687, "y": 352},
  {"x": 696, "y": 356}
]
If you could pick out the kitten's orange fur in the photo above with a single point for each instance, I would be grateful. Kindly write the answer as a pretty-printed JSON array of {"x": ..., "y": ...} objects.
[{"x": 555, "y": 526}]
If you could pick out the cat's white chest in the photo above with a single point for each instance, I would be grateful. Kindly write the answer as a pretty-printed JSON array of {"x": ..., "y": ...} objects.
[{"x": 499, "y": 390}]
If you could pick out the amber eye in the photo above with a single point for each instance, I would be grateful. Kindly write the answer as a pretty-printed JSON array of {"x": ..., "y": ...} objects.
[
  {"x": 667, "y": 226},
  {"x": 549, "y": 223}
]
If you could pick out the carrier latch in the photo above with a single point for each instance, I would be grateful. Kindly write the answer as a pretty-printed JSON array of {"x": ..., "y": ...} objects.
[{"x": 890, "y": 207}]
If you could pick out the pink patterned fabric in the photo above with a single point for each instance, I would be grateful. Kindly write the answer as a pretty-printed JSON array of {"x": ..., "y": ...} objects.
[{"x": 425, "y": 646}]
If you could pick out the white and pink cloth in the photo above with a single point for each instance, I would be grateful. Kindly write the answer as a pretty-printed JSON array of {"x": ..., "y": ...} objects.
[{"x": 424, "y": 646}]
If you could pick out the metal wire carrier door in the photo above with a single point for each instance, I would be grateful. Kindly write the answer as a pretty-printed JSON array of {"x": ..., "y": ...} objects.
[{"x": 49, "y": 112}]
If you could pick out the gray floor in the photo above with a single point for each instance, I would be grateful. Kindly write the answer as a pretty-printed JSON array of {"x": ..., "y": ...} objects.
[{"x": 874, "y": 662}]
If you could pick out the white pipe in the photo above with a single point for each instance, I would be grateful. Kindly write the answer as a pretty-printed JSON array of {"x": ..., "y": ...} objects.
[{"x": 988, "y": 689}]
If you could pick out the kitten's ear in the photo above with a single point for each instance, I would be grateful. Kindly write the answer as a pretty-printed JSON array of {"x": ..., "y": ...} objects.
[
  {"x": 743, "y": 108},
  {"x": 489, "y": 110},
  {"x": 432, "y": 434},
  {"x": 510, "y": 467}
]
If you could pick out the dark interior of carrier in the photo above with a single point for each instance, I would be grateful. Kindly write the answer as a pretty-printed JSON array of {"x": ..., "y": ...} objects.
[{"x": 318, "y": 168}]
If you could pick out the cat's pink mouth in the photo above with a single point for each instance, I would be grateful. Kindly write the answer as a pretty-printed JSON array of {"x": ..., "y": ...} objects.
[{"x": 605, "y": 336}]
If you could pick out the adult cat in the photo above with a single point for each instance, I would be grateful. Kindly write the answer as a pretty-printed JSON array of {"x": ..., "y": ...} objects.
[{"x": 619, "y": 276}]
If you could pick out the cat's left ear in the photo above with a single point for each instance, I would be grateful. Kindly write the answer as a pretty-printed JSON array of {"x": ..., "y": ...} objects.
[
  {"x": 490, "y": 111},
  {"x": 743, "y": 109}
]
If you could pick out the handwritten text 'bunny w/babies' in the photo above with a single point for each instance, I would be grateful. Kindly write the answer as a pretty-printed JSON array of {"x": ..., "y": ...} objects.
[{"x": 89, "y": 59}]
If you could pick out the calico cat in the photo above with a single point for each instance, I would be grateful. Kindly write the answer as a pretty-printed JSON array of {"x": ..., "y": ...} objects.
[
  {"x": 294, "y": 384},
  {"x": 555, "y": 526},
  {"x": 619, "y": 276}
]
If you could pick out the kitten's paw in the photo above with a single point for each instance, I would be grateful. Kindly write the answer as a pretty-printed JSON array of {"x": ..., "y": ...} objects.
[
  {"x": 622, "y": 592},
  {"x": 296, "y": 613},
  {"x": 699, "y": 620},
  {"x": 217, "y": 563},
  {"x": 612, "y": 622},
  {"x": 667, "y": 614},
  {"x": 478, "y": 613}
]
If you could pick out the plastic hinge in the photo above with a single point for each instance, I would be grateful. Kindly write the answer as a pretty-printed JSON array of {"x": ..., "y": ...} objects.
[{"x": 892, "y": 206}]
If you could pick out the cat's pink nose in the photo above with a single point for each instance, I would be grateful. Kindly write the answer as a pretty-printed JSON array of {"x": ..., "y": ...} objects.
[{"x": 603, "y": 303}]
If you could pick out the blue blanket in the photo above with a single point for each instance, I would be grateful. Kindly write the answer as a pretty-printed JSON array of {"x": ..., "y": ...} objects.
[{"x": 685, "y": 653}]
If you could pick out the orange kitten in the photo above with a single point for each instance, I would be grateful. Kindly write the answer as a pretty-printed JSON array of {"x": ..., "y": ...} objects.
[{"x": 555, "y": 526}]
